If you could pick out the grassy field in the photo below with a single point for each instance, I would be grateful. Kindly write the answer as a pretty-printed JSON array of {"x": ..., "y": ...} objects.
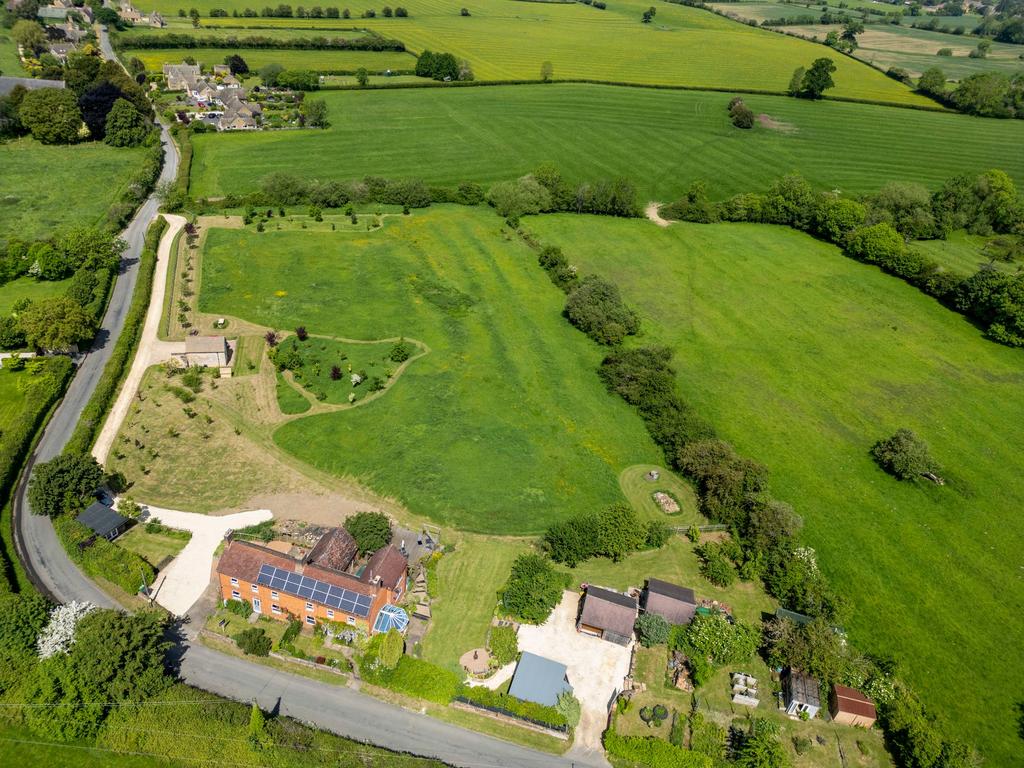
[
  {"x": 320, "y": 356},
  {"x": 685, "y": 46},
  {"x": 915, "y": 50},
  {"x": 963, "y": 253},
  {"x": 318, "y": 61},
  {"x": 28, "y": 288},
  {"x": 803, "y": 359},
  {"x": 155, "y": 548},
  {"x": 10, "y": 64},
  {"x": 48, "y": 187},
  {"x": 12, "y": 399},
  {"x": 502, "y": 427},
  {"x": 661, "y": 140}
]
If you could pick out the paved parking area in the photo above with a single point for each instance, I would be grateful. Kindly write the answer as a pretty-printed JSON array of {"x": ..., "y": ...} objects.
[{"x": 595, "y": 667}]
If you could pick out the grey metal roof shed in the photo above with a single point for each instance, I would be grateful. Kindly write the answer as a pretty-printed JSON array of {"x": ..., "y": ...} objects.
[
  {"x": 539, "y": 680},
  {"x": 103, "y": 520}
]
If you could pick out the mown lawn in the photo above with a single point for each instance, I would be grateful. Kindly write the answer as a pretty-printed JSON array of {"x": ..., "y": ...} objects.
[
  {"x": 155, "y": 548},
  {"x": 10, "y": 64},
  {"x": 318, "y": 61},
  {"x": 504, "y": 40},
  {"x": 45, "y": 188},
  {"x": 468, "y": 580},
  {"x": 502, "y": 427},
  {"x": 28, "y": 288},
  {"x": 962, "y": 253},
  {"x": 12, "y": 398},
  {"x": 661, "y": 140},
  {"x": 803, "y": 359}
]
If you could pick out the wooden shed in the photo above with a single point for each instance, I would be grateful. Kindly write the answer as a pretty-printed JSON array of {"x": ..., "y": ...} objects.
[{"x": 849, "y": 706}]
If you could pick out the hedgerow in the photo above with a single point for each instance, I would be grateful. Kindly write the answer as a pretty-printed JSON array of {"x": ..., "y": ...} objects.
[
  {"x": 106, "y": 390},
  {"x": 504, "y": 703},
  {"x": 101, "y": 558}
]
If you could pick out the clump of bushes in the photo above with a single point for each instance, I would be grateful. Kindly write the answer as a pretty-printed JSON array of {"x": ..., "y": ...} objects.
[
  {"x": 503, "y": 702},
  {"x": 504, "y": 645},
  {"x": 740, "y": 114},
  {"x": 904, "y": 455},
  {"x": 596, "y": 308},
  {"x": 533, "y": 589},
  {"x": 613, "y": 533},
  {"x": 651, "y": 629},
  {"x": 371, "y": 530},
  {"x": 253, "y": 642},
  {"x": 400, "y": 352}
]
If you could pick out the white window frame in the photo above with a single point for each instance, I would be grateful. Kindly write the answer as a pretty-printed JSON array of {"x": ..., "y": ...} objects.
[
  {"x": 255, "y": 587},
  {"x": 352, "y": 620},
  {"x": 275, "y": 608},
  {"x": 274, "y": 595},
  {"x": 235, "y": 595},
  {"x": 310, "y": 620},
  {"x": 309, "y": 607},
  {"x": 330, "y": 613},
  {"x": 234, "y": 582}
]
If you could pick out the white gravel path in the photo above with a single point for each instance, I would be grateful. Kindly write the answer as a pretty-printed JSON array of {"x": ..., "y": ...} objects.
[
  {"x": 183, "y": 582},
  {"x": 151, "y": 350}
]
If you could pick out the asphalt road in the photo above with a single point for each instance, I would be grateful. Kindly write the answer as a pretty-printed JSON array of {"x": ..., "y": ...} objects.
[{"x": 335, "y": 708}]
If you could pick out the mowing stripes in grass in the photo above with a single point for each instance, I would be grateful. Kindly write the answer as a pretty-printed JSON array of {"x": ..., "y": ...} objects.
[
  {"x": 661, "y": 140},
  {"x": 503, "y": 427}
]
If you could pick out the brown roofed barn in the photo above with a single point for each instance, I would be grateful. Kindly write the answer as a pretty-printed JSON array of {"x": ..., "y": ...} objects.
[
  {"x": 673, "y": 603},
  {"x": 608, "y": 615},
  {"x": 849, "y": 706}
]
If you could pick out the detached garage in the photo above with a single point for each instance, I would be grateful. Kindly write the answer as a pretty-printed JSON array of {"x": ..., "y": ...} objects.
[{"x": 608, "y": 615}]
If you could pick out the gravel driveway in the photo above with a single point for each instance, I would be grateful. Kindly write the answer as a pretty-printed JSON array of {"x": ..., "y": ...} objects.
[
  {"x": 596, "y": 667},
  {"x": 183, "y": 582}
]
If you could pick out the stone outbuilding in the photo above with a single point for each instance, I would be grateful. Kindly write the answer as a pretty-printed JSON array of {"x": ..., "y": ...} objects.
[
  {"x": 208, "y": 351},
  {"x": 608, "y": 615}
]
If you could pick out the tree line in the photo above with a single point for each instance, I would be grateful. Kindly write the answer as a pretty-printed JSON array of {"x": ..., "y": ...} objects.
[
  {"x": 879, "y": 229},
  {"x": 370, "y": 42},
  {"x": 734, "y": 490},
  {"x": 285, "y": 11}
]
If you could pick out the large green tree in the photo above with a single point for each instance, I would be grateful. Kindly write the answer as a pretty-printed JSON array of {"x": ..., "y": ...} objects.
[
  {"x": 56, "y": 324},
  {"x": 117, "y": 658},
  {"x": 30, "y": 36},
  {"x": 904, "y": 455},
  {"x": 533, "y": 589},
  {"x": 818, "y": 78},
  {"x": 125, "y": 127},
  {"x": 51, "y": 115},
  {"x": 371, "y": 530},
  {"x": 65, "y": 483}
]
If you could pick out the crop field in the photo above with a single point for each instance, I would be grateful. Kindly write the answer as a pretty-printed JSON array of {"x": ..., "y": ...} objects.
[
  {"x": 502, "y": 427},
  {"x": 685, "y": 46},
  {"x": 42, "y": 187},
  {"x": 803, "y": 359},
  {"x": 317, "y": 61},
  {"x": 915, "y": 50},
  {"x": 446, "y": 136}
]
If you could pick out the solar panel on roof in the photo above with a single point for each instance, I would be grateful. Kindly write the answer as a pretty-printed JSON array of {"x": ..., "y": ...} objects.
[{"x": 308, "y": 587}]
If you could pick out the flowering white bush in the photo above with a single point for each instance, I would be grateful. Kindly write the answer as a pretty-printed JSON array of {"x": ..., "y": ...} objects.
[
  {"x": 60, "y": 631},
  {"x": 356, "y": 379}
]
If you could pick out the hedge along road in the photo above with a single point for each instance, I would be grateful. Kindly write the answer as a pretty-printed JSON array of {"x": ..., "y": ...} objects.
[{"x": 335, "y": 708}]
